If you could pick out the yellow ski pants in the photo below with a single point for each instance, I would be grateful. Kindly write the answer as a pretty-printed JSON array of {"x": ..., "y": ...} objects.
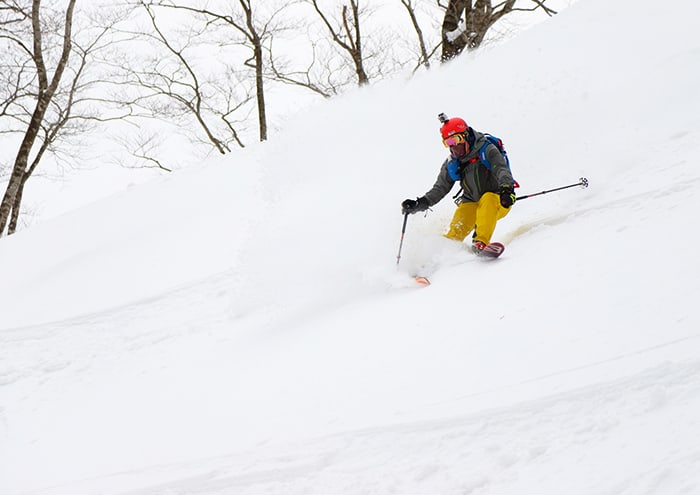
[{"x": 481, "y": 217}]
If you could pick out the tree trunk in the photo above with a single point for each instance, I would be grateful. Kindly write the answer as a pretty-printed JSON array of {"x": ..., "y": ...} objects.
[
  {"x": 452, "y": 44},
  {"x": 479, "y": 16},
  {"x": 256, "y": 41},
  {"x": 9, "y": 199},
  {"x": 424, "y": 57},
  {"x": 260, "y": 89},
  {"x": 355, "y": 39},
  {"x": 14, "y": 217},
  {"x": 362, "y": 78},
  {"x": 17, "y": 178}
]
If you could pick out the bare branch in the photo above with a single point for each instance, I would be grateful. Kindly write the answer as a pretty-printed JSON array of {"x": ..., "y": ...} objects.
[
  {"x": 424, "y": 56},
  {"x": 300, "y": 78}
]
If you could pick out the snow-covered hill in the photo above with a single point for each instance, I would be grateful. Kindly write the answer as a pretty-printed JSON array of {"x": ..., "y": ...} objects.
[{"x": 241, "y": 327}]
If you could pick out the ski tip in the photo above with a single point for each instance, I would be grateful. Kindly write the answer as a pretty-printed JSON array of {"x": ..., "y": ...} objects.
[{"x": 422, "y": 280}]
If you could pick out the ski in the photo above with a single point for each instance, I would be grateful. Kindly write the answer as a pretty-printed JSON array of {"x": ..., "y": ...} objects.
[
  {"x": 493, "y": 250},
  {"x": 420, "y": 280}
]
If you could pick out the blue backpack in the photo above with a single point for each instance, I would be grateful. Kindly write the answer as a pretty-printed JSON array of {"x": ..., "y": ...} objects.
[
  {"x": 453, "y": 165},
  {"x": 498, "y": 144}
]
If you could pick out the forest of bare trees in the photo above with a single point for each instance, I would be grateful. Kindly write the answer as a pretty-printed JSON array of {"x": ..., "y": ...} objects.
[{"x": 203, "y": 70}]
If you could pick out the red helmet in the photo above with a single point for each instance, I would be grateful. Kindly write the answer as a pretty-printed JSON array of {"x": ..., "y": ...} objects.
[{"x": 454, "y": 125}]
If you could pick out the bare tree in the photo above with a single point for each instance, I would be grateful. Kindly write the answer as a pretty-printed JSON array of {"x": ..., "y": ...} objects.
[
  {"x": 254, "y": 30},
  {"x": 304, "y": 78},
  {"x": 170, "y": 85},
  {"x": 466, "y": 22},
  {"x": 50, "y": 100},
  {"x": 46, "y": 85},
  {"x": 424, "y": 55},
  {"x": 346, "y": 34}
]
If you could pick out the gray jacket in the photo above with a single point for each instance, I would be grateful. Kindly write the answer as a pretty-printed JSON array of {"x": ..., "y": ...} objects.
[{"x": 475, "y": 178}]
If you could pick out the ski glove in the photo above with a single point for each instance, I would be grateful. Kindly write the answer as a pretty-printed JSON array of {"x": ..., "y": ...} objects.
[
  {"x": 507, "y": 196},
  {"x": 410, "y": 206}
]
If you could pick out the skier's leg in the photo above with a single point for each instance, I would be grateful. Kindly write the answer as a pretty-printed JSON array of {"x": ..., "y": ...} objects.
[
  {"x": 488, "y": 212},
  {"x": 462, "y": 222}
]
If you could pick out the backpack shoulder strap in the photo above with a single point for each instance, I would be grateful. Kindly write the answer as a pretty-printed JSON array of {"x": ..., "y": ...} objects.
[{"x": 498, "y": 144}]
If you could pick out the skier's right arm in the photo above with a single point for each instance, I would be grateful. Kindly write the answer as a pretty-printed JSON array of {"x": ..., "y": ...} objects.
[{"x": 443, "y": 185}]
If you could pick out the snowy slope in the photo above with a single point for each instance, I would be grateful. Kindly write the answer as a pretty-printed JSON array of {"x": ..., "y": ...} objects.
[{"x": 241, "y": 328}]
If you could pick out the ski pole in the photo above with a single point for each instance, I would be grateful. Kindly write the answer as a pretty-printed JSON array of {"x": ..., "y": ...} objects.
[
  {"x": 583, "y": 182},
  {"x": 403, "y": 233}
]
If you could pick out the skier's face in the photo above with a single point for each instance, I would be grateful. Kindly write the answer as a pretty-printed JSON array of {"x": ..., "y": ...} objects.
[
  {"x": 459, "y": 150},
  {"x": 458, "y": 144}
]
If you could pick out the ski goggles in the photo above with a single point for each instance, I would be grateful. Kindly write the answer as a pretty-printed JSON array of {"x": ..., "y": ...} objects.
[{"x": 454, "y": 140}]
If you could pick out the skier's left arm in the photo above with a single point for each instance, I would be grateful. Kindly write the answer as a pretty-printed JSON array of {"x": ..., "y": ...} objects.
[{"x": 504, "y": 178}]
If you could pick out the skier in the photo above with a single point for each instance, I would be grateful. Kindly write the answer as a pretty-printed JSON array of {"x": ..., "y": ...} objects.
[{"x": 487, "y": 184}]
